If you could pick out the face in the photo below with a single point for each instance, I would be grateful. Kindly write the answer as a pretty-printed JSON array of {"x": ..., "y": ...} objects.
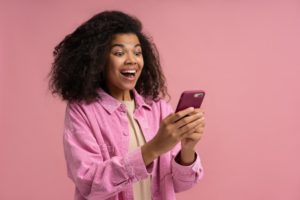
[{"x": 124, "y": 65}]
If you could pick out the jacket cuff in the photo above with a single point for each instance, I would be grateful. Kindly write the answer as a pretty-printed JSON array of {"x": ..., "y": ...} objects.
[
  {"x": 190, "y": 172},
  {"x": 135, "y": 166}
]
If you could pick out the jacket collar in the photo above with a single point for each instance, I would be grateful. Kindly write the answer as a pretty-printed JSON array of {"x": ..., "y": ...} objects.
[{"x": 111, "y": 104}]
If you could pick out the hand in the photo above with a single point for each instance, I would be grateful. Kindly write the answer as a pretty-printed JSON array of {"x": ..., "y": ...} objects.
[
  {"x": 172, "y": 130},
  {"x": 191, "y": 138}
]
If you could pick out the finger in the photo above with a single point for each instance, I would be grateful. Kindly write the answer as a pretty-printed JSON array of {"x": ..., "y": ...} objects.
[
  {"x": 194, "y": 136},
  {"x": 197, "y": 130},
  {"x": 202, "y": 119},
  {"x": 189, "y": 127},
  {"x": 188, "y": 119},
  {"x": 202, "y": 110},
  {"x": 203, "y": 125},
  {"x": 200, "y": 130},
  {"x": 197, "y": 110},
  {"x": 179, "y": 115},
  {"x": 169, "y": 118}
]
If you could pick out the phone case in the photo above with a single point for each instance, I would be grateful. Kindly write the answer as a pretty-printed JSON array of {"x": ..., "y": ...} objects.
[{"x": 190, "y": 99}]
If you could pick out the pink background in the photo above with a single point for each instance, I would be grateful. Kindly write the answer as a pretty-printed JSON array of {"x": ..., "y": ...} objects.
[{"x": 245, "y": 54}]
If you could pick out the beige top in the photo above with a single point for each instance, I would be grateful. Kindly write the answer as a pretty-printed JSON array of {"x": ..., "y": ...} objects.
[{"x": 141, "y": 189}]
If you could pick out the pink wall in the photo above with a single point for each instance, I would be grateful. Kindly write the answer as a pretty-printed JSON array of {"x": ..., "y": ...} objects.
[{"x": 245, "y": 54}]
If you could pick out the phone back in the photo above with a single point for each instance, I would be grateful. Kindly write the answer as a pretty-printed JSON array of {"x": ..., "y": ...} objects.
[{"x": 190, "y": 99}]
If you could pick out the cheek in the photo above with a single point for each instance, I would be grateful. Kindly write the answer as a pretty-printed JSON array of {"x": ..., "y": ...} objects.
[
  {"x": 113, "y": 75},
  {"x": 111, "y": 71},
  {"x": 115, "y": 62},
  {"x": 141, "y": 63},
  {"x": 114, "y": 66}
]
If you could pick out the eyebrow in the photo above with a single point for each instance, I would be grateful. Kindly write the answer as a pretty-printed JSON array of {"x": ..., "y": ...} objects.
[{"x": 122, "y": 45}]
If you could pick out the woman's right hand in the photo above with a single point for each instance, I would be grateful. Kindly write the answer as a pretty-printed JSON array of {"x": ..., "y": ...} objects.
[{"x": 172, "y": 130}]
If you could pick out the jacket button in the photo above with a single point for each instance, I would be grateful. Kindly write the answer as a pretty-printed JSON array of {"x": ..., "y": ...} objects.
[
  {"x": 125, "y": 133},
  {"x": 123, "y": 108}
]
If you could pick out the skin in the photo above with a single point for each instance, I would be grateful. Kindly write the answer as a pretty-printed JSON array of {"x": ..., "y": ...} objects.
[
  {"x": 125, "y": 53},
  {"x": 185, "y": 126}
]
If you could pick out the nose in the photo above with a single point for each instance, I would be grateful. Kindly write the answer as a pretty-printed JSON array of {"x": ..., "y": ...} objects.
[{"x": 130, "y": 59}]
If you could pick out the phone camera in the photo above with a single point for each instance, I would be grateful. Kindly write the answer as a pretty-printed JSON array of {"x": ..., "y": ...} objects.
[{"x": 198, "y": 95}]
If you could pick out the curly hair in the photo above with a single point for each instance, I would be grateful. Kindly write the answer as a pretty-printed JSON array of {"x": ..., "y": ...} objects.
[{"x": 80, "y": 59}]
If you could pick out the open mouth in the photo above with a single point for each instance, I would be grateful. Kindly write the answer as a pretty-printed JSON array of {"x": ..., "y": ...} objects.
[{"x": 128, "y": 73}]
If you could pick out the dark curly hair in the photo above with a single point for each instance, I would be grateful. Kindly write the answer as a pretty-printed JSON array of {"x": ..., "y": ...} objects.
[{"x": 80, "y": 58}]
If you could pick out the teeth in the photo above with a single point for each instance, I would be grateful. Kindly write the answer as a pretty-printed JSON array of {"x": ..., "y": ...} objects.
[{"x": 129, "y": 71}]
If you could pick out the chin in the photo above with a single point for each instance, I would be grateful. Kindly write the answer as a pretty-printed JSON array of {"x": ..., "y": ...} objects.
[{"x": 128, "y": 87}]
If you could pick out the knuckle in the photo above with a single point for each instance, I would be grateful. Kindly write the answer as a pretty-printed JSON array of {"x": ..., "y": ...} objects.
[
  {"x": 177, "y": 115},
  {"x": 168, "y": 128},
  {"x": 185, "y": 120},
  {"x": 191, "y": 131},
  {"x": 183, "y": 129},
  {"x": 194, "y": 129},
  {"x": 189, "y": 126},
  {"x": 174, "y": 137},
  {"x": 164, "y": 123}
]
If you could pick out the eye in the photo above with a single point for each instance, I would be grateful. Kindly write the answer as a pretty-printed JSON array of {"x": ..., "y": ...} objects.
[
  {"x": 139, "y": 53},
  {"x": 118, "y": 53}
]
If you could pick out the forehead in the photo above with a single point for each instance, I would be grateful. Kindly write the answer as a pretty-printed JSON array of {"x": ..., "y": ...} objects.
[{"x": 126, "y": 39}]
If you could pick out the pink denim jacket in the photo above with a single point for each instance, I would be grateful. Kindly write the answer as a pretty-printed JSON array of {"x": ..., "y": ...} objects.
[{"x": 96, "y": 138}]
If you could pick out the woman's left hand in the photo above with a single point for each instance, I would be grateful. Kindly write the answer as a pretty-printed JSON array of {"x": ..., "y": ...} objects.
[
  {"x": 194, "y": 136},
  {"x": 189, "y": 142}
]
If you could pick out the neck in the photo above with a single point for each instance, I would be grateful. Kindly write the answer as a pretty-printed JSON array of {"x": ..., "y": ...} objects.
[
  {"x": 126, "y": 96},
  {"x": 121, "y": 96}
]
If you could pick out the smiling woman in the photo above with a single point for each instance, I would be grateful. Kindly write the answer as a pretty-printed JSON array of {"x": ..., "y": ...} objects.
[{"x": 121, "y": 138}]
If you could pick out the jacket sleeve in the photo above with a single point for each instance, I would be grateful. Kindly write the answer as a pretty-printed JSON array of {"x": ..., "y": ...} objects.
[
  {"x": 95, "y": 178},
  {"x": 184, "y": 177}
]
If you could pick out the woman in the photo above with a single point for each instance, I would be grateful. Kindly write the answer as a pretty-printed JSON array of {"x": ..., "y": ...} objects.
[{"x": 121, "y": 138}]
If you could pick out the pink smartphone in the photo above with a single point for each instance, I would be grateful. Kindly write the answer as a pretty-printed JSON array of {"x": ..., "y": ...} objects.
[{"x": 190, "y": 99}]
